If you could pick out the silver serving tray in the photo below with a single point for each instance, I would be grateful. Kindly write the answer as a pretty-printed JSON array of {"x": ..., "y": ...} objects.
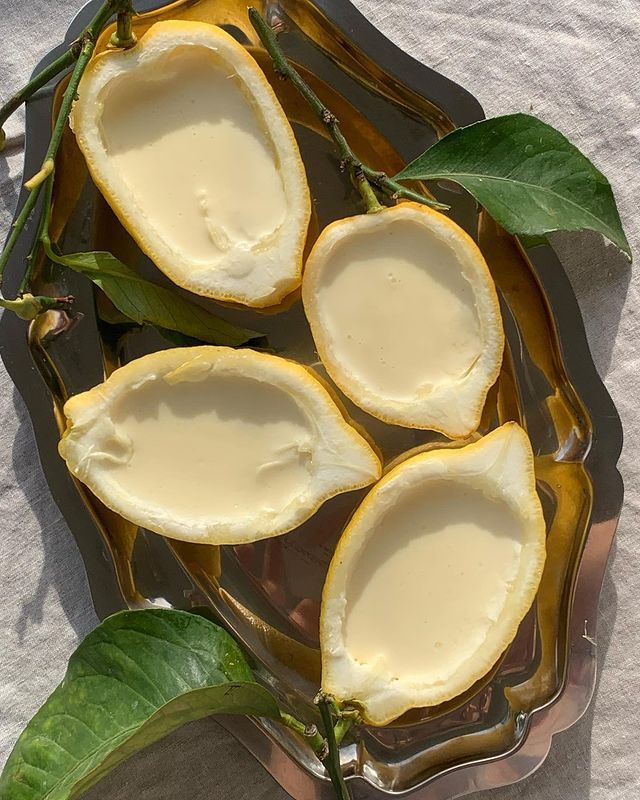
[{"x": 267, "y": 594}]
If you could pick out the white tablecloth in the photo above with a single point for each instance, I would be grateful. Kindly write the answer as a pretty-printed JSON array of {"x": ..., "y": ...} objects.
[{"x": 576, "y": 64}]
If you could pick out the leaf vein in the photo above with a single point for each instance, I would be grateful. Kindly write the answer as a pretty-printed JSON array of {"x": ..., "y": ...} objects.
[{"x": 475, "y": 175}]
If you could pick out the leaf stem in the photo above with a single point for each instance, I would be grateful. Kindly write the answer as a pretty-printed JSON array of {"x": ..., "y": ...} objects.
[
  {"x": 326, "y": 750},
  {"x": 396, "y": 190},
  {"x": 63, "y": 61},
  {"x": 308, "y": 732},
  {"x": 363, "y": 185},
  {"x": 34, "y": 186},
  {"x": 332, "y": 760},
  {"x": 341, "y": 728},
  {"x": 123, "y": 36},
  {"x": 18, "y": 227},
  {"x": 37, "y": 82},
  {"x": 362, "y": 176},
  {"x": 41, "y": 237}
]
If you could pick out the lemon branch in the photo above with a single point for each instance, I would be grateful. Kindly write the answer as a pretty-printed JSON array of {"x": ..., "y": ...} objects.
[
  {"x": 34, "y": 185},
  {"x": 81, "y": 51},
  {"x": 363, "y": 177},
  {"x": 61, "y": 63},
  {"x": 326, "y": 749},
  {"x": 37, "y": 82},
  {"x": 332, "y": 760},
  {"x": 42, "y": 235},
  {"x": 123, "y": 36},
  {"x": 309, "y": 733},
  {"x": 346, "y": 718},
  {"x": 28, "y": 306}
]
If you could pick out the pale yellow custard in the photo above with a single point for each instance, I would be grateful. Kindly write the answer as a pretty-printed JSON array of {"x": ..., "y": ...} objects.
[
  {"x": 402, "y": 317},
  {"x": 192, "y": 149},
  {"x": 432, "y": 576},
  {"x": 186, "y": 140},
  {"x": 214, "y": 445},
  {"x": 435, "y": 576},
  {"x": 222, "y": 443},
  {"x": 405, "y": 317}
]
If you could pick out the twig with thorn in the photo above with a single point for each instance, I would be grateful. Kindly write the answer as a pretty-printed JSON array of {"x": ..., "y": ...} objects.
[
  {"x": 27, "y": 306},
  {"x": 362, "y": 176}
]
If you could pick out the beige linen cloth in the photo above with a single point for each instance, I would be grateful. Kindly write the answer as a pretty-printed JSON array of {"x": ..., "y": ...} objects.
[{"x": 576, "y": 64}]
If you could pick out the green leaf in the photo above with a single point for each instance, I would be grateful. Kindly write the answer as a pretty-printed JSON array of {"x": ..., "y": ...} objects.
[
  {"x": 178, "y": 339},
  {"x": 146, "y": 302},
  {"x": 135, "y": 678},
  {"x": 527, "y": 175}
]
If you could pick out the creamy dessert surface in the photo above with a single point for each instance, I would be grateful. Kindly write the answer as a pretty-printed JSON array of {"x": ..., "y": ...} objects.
[
  {"x": 214, "y": 444},
  {"x": 434, "y": 575},
  {"x": 399, "y": 310},
  {"x": 405, "y": 317},
  {"x": 170, "y": 132},
  {"x": 225, "y": 444},
  {"x": 186, "y": 140}
]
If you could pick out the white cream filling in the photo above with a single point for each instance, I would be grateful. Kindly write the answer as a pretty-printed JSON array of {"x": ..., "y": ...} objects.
[
  {"x": 399, "y": 313},
  {"x": 194, "y": 152},
  {"x": 196, "y": 447},
  {"x": 430, "y": 582}
]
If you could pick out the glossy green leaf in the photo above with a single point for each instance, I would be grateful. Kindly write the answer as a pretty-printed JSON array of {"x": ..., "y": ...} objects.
[
  {"x": 138, "y": 676},
  {"x": 146, "y": 302},
  {"x": 178, "y": 339},
  {"x": 527, "y": 175}
]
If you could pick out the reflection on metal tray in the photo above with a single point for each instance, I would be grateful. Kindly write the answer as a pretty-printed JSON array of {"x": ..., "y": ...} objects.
[{"x": 268, "y": 593}]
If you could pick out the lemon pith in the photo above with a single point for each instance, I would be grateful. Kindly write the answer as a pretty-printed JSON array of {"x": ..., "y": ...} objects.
[
  {"x": 186, "y": 140},
  {"x": 432, "y": 576},
  {"x": 405, "y": 317},
  {"x": 215, "y": 445}
]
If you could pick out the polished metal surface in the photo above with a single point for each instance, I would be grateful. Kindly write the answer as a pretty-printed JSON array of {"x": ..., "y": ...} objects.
[{"x": 267, "y": 593}]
